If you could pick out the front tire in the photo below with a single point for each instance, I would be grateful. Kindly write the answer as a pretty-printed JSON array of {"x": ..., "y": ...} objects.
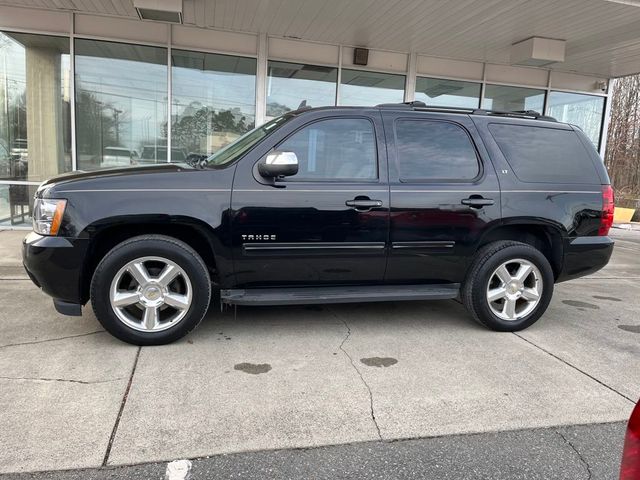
[
  {"x": 150, "y": 290},
  {"x": 509, "y": 286}
]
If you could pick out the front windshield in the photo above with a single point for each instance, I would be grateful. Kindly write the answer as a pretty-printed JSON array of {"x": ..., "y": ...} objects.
[{"x": 244, "y": 143}]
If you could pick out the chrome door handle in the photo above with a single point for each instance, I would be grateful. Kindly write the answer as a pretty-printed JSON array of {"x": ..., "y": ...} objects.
[
  {"x": 477, "y": 202},
  {"x": 363, "y": 203}
]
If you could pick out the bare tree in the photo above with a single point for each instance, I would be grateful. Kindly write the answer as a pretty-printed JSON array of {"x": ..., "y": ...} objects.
[{"x": 622, "y": 157}]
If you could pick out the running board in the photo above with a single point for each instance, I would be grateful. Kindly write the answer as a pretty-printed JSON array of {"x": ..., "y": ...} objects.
[{"x": 343, "y": 294}]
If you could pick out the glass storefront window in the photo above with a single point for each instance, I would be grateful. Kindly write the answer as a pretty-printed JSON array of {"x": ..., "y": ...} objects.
[
  {"x": 121, "y": 104},
  {"x": 213, "y": 102},
  {"x": 585, "y": 111},
  {"x": 16, "y": 203},
  {"x": 35, "y": 139},
  {"x": 447, "y": 93},
  {"x": 513, "y": 99},
  {"x": 290, "y": 84},
  {"x": 35, "y": 126},
  {"x": 359, "y": 87}
]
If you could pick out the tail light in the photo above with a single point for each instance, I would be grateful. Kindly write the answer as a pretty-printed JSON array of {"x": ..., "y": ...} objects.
[
  {"x": 608, "y": 205},
  {"x": 630, "y": 468}
]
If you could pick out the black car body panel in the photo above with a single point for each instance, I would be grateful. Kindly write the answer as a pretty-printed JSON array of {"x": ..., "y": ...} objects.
[{"x": 304, "y": 233}]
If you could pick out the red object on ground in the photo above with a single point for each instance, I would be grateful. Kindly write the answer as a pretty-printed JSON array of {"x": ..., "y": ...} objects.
[{"x": 630, "y": 468}]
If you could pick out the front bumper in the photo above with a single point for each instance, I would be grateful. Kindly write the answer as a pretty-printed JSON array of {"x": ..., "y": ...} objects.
[
  {"x": 584, "y": 256},
  {"x": 55, "y": 264}
]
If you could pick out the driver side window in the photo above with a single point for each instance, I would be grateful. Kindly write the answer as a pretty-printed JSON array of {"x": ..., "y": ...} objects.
[{"x": 335, "y": 149}]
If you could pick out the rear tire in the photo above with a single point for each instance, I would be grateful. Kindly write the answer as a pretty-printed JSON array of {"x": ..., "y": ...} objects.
[
  {"x": 508, "y": 287},
  {"x": 150, "y": 290}
]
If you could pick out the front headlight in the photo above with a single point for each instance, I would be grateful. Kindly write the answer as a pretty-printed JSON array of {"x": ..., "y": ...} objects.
[{"x": 47, "y": 215}]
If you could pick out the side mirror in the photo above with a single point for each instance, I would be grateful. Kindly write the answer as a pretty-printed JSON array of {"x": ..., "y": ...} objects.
[{"x": 278, "y": 164}]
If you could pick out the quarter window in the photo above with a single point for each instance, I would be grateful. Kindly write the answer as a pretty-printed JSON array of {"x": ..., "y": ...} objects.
[
  {"x": 337, "y": 149},
  {"x": 545, "y": 155},
  {"x": 432, "y": 150}
]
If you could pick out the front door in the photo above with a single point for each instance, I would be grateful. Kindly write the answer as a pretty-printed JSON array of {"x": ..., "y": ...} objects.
[
  {"x": 444, "y": 196},
  {"x": 328, "y": 224}
]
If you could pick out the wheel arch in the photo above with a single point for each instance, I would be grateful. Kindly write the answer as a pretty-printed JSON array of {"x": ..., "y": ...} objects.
[
  {"x": 110, "y": 232},
  {"x": 543, "y": 236}
]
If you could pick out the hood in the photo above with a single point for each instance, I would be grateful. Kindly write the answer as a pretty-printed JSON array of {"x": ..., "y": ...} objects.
[
  {"x": 164, "y": 175},
  {"x": 115, "y": 172}
]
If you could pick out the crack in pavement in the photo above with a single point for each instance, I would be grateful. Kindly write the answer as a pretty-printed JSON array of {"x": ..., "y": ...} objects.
[
  {"x": 35, "y": 342},
  {"x": 574, "y": 367},
  {"x": 341, "y": 347},
  {"x": 44, "y": 379},
  {"x": 112, "y": 438},
  {"x": 582, "y": 460}
]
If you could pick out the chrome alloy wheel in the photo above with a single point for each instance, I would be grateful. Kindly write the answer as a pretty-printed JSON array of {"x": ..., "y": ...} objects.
[
  {"x": 514, "y": 289},
  {"x": 150, "y": 294}
]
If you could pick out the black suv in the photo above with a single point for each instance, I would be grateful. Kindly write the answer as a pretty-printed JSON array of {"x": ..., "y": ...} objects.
[{"x": 330, "y": 205}]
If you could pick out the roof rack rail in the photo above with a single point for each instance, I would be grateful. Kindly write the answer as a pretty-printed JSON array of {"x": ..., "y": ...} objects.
[
  {"x": 412, "y": 104},
  {"x": 418, "y": 105},
  {"x": 516, "y": 113}
]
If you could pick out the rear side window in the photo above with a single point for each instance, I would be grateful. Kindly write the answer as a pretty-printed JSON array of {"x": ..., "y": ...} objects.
[
  {"x": 544, "y": 155},
  {"x": 431, "y": 150}
]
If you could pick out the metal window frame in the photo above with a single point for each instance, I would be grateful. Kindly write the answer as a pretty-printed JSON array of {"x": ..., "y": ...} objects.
[
  {"x": 261, "y": 79},
  {"x": 169, "y": 95},
  {"x": 72, "y": 90}
]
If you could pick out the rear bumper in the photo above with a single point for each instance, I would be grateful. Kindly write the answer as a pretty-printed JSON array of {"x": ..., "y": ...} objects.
[
  {"x": 55, "y": 265},
  {"x": 584, "y": 256}
]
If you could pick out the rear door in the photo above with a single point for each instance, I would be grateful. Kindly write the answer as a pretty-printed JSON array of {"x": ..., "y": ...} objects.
[{"x": 444, "y": 195}]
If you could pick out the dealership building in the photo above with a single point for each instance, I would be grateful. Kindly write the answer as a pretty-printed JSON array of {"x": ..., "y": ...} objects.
[{"x": 90, "y": 84}]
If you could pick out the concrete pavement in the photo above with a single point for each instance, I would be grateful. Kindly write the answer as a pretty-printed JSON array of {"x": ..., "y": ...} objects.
[{"x": 71, "y": 396}]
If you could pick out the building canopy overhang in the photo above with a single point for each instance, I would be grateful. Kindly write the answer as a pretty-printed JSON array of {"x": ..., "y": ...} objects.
[{"x": 600, "y": 37}]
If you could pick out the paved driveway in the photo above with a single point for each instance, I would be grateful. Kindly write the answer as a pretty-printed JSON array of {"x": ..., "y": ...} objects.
[{"x": 71, "y": 396}]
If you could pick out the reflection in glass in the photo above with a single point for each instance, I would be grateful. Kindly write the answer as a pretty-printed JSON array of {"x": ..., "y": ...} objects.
[
  {"x": 584, "y": 111},
  {"x": 35, "y": 139},
  {"x": 358, "y": 87},
  {"x": 213, "y": 102},
  {"x": 16, "y": 203},
  {"x": 234, "y": 150},
  {"x": 337, "y": 149},
  {"x": 121, "y": 104},
  {"x": 290, "y": 84},
  {"x": 447, "y": 93},
  {"x": 513, "y": 99},
  {"x": 429, "y": 150}
]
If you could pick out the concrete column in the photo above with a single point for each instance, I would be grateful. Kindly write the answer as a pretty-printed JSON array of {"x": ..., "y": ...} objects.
[{"x": 44, "y": 113}]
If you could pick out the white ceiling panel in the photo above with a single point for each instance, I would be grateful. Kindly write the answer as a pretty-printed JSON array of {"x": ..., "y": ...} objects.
[{"x": 603, "y": 36}]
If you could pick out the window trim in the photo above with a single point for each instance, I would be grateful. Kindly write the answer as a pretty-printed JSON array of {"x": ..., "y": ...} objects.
[
  {"x": 376, "y": 180},
  {"x": 479, "y": 161}
]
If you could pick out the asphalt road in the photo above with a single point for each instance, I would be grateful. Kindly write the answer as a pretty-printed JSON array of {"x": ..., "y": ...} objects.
[{"x": 578, "y": 452}]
